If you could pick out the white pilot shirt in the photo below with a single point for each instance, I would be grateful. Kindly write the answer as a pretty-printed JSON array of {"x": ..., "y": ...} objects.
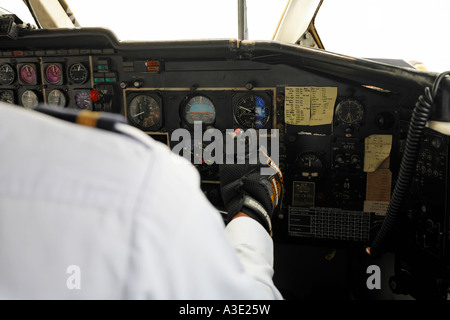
[{"x": 91, "y": 214}]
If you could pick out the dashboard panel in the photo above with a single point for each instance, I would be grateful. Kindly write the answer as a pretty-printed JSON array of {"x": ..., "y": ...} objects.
[
  {"x": 322, "y": 159},
  {"x": 341, "y": 122}
]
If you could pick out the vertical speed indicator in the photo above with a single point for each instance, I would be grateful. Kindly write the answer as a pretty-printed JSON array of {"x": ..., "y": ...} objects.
[
  {"x": 7, "y": 74},
  {"x": 77, "y": 73}
]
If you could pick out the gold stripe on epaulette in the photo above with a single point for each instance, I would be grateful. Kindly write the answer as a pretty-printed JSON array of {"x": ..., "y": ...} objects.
[{"x": 88, "y": 118}]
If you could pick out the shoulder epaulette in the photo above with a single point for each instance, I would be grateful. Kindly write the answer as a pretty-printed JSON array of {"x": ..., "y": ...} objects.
[
  {"x": 102, "y": 120},
  {"x": 94, "y": 119}
]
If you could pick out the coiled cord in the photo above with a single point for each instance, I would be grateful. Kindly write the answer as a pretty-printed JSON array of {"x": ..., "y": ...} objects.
[{"x": 419, "y": 118}]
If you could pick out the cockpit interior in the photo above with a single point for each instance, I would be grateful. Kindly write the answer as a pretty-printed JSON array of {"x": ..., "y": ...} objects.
[{"x": 363, "y": 144}]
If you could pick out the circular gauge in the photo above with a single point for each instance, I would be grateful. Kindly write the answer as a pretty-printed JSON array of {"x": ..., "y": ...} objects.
[
  {"x": 29, "y": 99},
  {"x": 349, "y": 111},
  {"x": 57, "y": 98},
  {"x": 145, "y": 111},
  {"x": 310, "y": 165},
  {"x": 53, "y": 73},
  {"x": 83, "y": 99},
  {"x": 7, "y": 96},
  {"x": 77, "y": 73},
  {"x": 28, "y": 73},
  {"x": 199, "y": 108},
  {"x": 197, "y": 153},
  {"x": 7, "y": 74},
  {"x": 252, "y": 111}
]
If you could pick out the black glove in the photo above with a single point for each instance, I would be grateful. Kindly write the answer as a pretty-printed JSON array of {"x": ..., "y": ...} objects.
[{"x": 244, "y": 189}]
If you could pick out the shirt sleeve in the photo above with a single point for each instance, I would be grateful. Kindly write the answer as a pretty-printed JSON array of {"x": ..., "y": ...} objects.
[
  {"x": 254, "y": 247},
  {"x": 235, "y": 262}
]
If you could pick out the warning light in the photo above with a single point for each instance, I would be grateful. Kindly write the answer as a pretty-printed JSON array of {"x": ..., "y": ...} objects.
[{"x": 152, "y": 65}]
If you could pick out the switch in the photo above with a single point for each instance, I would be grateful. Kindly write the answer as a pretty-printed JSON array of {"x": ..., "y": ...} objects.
[{"x": 95, "y": 95}]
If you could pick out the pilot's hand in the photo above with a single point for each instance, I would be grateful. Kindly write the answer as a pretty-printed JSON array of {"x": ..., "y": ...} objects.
[{"x": 245, "y": 190}]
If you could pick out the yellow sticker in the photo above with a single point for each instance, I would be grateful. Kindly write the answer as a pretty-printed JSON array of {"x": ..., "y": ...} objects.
[
  {"x": 323, "y": 100},
  {"x": 378, "y": 187},
  {"x": 376, "y": 149},
  {"x": 309, "y": 106},
  {"x": 297, "y": 105},
  {"x": 378, "y": 207}
]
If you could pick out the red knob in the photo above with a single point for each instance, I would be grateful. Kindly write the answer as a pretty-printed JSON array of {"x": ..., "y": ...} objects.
[{"x": 95, "y": 95}]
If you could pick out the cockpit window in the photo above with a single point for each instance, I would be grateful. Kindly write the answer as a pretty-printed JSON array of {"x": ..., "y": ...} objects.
[
  {"x": 18, "y": 8},
  {"x": 413, "y": 31},
  {"x": 178, "y": 19}
]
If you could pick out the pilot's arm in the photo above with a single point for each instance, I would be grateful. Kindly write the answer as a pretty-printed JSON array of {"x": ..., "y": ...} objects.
[
  {"x": 251, "y": 198},
  {"x": 200, "y": 260}
]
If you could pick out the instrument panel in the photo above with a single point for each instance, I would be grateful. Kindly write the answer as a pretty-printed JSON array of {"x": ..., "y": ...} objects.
[
  {"x": 321, "y": 124},
  {"x": 57, "y": 81},
  {"x": 335, "y": 137}
]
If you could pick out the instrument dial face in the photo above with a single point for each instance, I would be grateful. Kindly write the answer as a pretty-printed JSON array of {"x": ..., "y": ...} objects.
[
  {"x": 57, "y": 98},
  {"x": 199, "y": 108},
  {"x": 145, "y": 111},
  {"x": 195, "y": 151},
  {"x": 53, "y": 73},
  {"x": 252, "y": 111},
  {"x": 349, "y": 111},
  {"x": 78, "y": 73},
  {"x": 29, "y": 99},
  {"x": 83, "y": 99},
  {"x": 310, "y": 165},
  {"x": 7, "y": 96},
  {"x": 7, "y": 74},
  {"x": 27, "y": 73}
]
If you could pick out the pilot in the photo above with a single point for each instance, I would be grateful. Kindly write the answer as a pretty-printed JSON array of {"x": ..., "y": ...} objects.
[{"x": 104, "y": 212}]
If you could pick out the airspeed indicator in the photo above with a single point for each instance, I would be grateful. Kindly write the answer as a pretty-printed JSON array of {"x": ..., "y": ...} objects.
[{"x": 145, "y": 112}]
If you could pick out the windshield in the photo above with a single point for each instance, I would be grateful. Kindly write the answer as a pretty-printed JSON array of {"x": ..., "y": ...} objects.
[
  {"x": 178, "y": 19},
  {"x": 393, "y": 31},
  {"x": 413, "y": 31},
  {"x": 19, "y": 9}
]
